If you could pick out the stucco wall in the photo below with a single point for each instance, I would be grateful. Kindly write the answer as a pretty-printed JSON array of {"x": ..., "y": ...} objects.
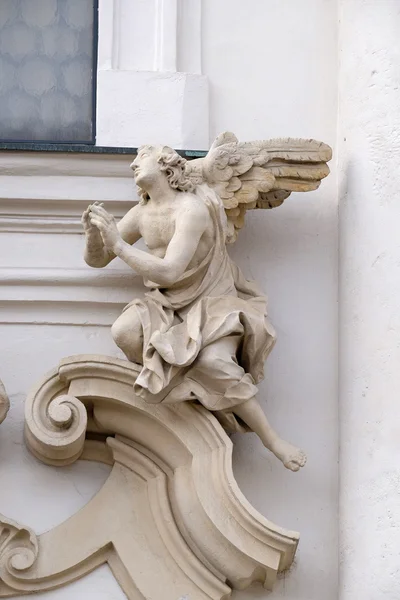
[
  {"x": 369, "y": 134},
  {"x": 282, "y": 82},
  {"x": 271, "y": 71}
]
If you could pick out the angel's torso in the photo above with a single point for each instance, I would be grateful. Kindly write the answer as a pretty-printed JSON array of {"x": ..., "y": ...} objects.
[{"x": 158, "y": 223}]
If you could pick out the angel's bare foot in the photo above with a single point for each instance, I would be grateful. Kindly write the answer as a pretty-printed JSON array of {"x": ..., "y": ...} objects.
[
  {"x": 292, "y": 458},
  {"x": 251, "y": 413}
]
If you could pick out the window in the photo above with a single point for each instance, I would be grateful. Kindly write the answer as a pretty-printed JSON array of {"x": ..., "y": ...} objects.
[{"x": 47, "y": 70}]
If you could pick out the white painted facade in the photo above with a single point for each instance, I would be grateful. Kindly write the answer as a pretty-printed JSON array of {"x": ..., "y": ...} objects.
[
  {"x": 368, "y": 146},
  {"x": 179, "y": 72}
]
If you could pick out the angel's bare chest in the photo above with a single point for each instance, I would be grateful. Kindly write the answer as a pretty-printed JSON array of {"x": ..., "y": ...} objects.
[{"x": 157, "y": 227}]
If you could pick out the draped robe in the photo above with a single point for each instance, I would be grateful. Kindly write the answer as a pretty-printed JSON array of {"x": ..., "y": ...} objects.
[{"x": 184, "y": 325}]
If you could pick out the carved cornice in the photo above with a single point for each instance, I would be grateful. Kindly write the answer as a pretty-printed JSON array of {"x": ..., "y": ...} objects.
[
  {"x": 170, "y": 507},
  {"x": 30, "y": 164},
  {"x": 47, "y": 193}
]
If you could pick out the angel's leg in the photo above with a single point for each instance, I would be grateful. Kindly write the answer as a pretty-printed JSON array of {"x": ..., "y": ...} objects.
[
  {"x": 127, "y": 333},
  {"x": 252, "y": 414}
]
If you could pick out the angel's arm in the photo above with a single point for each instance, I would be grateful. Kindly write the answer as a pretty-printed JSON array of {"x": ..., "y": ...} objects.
[
  {"x": 96, "y": 254},
  {"x": 189, "y": 227}
]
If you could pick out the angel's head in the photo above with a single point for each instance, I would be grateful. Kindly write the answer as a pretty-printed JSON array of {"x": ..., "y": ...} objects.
[{"x": 155, "y": 162}]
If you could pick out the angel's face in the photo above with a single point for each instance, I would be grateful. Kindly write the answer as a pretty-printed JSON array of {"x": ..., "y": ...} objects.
[{"x": 146, "y": 166}]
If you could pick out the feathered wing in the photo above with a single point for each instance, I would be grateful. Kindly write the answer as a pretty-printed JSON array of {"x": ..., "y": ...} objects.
[{"x": 259, "y": 174}]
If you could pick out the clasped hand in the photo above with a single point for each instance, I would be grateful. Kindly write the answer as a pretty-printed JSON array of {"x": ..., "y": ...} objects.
[{"x": 95, "y": 215}]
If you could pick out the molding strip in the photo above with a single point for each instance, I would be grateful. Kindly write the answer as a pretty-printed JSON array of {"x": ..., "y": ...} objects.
[
  {"x": 56, "y": 296},
  {"x": 44, "y": 276},
  {"x": 165, "y": 51}
]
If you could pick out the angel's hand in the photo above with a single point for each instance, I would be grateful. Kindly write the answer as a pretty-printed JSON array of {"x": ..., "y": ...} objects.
[
  {"x": 107, "y": 226},
  {"x": 86, "y": 221}
]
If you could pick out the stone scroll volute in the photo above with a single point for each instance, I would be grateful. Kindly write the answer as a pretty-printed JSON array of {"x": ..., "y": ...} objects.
[{"x": 203, "y": 537}]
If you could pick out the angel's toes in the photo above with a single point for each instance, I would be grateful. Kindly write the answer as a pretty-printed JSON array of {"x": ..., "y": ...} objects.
[{"x": 296, "y": 461}]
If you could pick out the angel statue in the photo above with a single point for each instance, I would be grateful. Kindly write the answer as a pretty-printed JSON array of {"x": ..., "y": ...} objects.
[
  {"x": 4, "y": 403},
  {"x": 201, "y": 332}
]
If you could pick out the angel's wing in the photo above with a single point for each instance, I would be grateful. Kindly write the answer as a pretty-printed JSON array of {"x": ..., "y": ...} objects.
[{"x": 259, "y": 174}]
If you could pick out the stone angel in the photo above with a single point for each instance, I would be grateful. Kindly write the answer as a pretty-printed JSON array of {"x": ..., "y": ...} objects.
[
  {"x": 201, "y": 333},
  {"x": 4, "y": 403}
]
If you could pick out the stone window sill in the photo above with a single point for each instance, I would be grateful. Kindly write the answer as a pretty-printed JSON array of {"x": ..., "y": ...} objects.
[{"x": 82, "y": 148}]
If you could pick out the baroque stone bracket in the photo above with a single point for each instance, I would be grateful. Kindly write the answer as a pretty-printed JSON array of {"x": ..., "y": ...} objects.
[{"x": 170, "y": 520}]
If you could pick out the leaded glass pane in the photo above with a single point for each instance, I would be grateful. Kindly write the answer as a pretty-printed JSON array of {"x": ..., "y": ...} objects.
[{"x": 46, "y": 70}]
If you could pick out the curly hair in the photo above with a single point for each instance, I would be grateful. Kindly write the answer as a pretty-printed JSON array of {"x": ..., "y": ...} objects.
[{"x": 173, "y": 166}]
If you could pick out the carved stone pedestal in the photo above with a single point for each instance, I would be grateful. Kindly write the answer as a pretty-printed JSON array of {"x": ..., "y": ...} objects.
[{"x": 170, "y": 520}]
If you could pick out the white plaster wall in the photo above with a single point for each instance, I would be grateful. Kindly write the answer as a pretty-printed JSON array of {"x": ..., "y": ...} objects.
[
  {"x": 272, "y": 72},
  {"x": 271, "y": 68},
  {"x": 369, "y": 143}
]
